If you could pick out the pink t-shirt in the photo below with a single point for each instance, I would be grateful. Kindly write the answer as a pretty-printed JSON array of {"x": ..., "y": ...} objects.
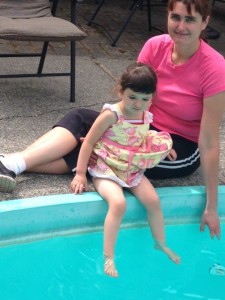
[{"x": 181, "y": 89}]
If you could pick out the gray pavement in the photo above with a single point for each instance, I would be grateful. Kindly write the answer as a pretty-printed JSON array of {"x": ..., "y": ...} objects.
[{"x": 29, "y": 107}]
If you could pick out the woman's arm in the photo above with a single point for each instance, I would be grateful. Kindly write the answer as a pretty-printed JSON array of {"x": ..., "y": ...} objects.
[
  {"x": 172, "y": 155},
  {"x": 106, "y": 119},
  {"x": 213, "y": 109}
]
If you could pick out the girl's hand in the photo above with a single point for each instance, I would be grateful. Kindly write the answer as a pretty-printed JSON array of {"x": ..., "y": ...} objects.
[
  {"x": 79, "y": 184},
  {"x": 172, "y": 155}
]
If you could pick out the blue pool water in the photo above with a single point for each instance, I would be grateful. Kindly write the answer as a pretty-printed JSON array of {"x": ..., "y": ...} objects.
[{"x": 71, "y": 267}]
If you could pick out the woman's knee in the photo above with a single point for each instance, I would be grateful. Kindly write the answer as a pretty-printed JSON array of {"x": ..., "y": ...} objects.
[{"x": 158, "y": 173}]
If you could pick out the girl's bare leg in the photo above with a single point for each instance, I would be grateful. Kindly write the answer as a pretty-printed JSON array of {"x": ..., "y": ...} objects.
[
  {"x": 147, "y": 195},
  {"x": 113, "y": 194}
]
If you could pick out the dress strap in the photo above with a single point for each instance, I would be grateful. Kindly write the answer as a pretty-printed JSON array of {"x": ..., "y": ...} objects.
[
  {"x": 115, "y": 108},
  {"x": 148, "y": 117}
]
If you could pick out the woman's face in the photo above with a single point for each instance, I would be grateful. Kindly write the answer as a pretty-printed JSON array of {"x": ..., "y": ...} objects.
[{"x": 185, "y": 28}]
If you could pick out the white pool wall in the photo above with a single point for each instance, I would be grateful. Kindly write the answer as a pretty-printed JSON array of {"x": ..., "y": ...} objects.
[{"x": 47, "y": 215}]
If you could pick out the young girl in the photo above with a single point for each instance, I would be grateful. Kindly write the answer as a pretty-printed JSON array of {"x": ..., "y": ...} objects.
[{"x": 125, "y": 146}]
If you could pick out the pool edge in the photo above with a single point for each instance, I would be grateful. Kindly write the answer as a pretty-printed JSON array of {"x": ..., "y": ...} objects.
[{"x": 53, "y": 213}]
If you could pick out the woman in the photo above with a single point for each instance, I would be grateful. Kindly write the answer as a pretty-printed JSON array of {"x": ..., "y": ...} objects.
[{"x": 189, "y": 104}]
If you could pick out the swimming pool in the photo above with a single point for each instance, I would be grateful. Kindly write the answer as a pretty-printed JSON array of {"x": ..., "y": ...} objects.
[{"x": 70, "y": 266}]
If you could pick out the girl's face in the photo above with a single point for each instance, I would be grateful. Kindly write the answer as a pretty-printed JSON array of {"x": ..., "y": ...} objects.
[
  {"x": 135, "y": 102},
  {"x": 185, "y": 28}
]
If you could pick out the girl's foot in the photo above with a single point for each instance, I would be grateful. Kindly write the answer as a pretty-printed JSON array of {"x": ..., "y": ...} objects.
[
  {"x": 173, "y": 256},
  {"x": 109, "y": 267}
]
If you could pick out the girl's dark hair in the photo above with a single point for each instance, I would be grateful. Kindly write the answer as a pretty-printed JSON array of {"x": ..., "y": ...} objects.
[
  {"x": 201, "y": 6},
  {"x": 139, "y": 78}
]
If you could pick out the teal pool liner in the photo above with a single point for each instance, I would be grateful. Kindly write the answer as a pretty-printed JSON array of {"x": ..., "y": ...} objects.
[{"x": 45, "y": 216}]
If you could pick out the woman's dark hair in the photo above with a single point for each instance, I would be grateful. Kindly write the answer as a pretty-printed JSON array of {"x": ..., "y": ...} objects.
[
  {"x": 201, "y": 6},
  {"x": 139, "y": 78}
]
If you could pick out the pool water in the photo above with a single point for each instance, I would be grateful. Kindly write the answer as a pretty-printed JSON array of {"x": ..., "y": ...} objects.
[{"x": 71, "y": 267}]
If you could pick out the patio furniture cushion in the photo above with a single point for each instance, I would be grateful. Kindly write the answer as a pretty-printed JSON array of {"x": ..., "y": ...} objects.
[
  {"x": 49, "y": 29},
  {"x": 31, "y": 20},
  {"x": 25, "y": 8}
]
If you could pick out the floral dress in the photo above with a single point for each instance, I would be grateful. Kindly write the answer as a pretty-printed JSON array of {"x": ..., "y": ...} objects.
[{"x": 127, "y": 149}]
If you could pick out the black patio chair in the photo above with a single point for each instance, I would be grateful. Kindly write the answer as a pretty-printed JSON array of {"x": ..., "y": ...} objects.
[
  {"x": 35, "y": 20},
  {"x": 137, "y": 4}
]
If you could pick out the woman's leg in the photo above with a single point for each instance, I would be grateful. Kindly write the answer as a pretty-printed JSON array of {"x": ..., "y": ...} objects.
[
  {"x": 45, "y": 154},
  {"x": 113, "y": 194},
  {"x": 147, "y": 195},
  {"x": 59, "y": 147},
  {"x": 53, "y": 153},
  {"x": 188, "y": 160}
]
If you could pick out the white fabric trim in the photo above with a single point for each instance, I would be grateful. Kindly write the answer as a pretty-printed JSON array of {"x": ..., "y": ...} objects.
[{"x": 177, "y": 164}]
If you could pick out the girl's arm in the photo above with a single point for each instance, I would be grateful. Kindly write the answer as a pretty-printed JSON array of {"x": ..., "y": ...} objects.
[
  {"x": 105, "y": 120},
  {"x": 213, "y": 109}
]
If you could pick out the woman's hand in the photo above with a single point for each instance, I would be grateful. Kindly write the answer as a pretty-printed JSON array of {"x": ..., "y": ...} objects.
[
  {"x": 93, "y": 157},
  {"x": 79, "y": 184},
  {"x": 209, "y": 147},
  {"x": 172, "y": 155},
  {"x": 210, "y": 218}
]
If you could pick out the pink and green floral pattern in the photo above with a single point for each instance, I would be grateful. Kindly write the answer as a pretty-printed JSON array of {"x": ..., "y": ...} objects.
[{"x": 126, "y": 149}]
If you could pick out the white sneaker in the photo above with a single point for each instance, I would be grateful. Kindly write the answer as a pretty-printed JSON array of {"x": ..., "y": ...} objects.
[{"x": 7, "y": 178}]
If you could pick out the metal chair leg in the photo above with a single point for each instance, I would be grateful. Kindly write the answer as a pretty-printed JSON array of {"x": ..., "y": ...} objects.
[
  {"x": 96, "y": 12},
  {"x": 136, "y": 5},
  {"x": 72, "y": 71},
  {"x": 73, "y": 55},
  {"x": 149, "y": 15},
  {"x": 42, "y": 59}
]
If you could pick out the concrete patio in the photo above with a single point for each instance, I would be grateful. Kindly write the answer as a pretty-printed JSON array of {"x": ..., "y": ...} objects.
[{"x": 29, "y": 107}]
